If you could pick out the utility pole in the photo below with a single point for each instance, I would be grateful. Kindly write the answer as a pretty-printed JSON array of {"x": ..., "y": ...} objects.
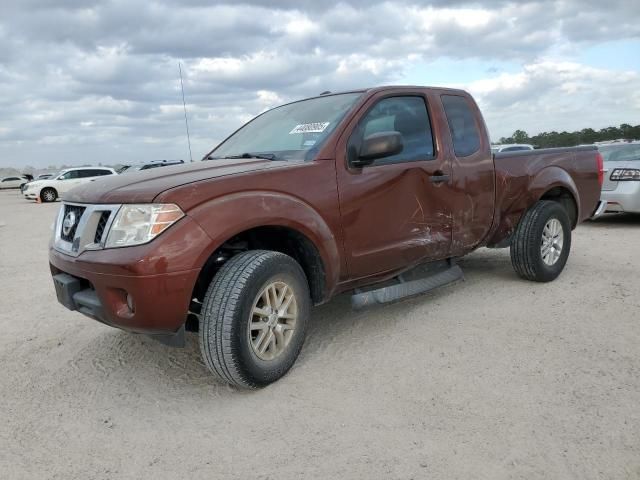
[{"x": 184, "y": 105}]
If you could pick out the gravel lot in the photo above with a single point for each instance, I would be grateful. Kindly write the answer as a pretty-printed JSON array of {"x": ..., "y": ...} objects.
[{"x": 487, "y": 379}]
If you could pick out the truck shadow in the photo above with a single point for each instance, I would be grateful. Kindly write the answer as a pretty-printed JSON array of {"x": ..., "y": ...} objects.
[
  {"x": 616, "y": 220},
  {"x": 117, "y": 357}
]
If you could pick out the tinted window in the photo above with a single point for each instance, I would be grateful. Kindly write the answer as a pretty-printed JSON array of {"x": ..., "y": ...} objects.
[
  {"x": 514, "y": 149},
  {"x": 462, "y": 125},
  {"x": 407, "y": 115},
  {"x": 69, "y": 175},
  {"x": 10, "y": 179},
  {"x": 93, "y": 173}
]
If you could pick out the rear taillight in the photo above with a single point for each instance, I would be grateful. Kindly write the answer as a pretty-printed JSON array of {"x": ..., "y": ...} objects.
[
  {"x": 625, "y": 174},
  {"x": 600, "y": 162}
]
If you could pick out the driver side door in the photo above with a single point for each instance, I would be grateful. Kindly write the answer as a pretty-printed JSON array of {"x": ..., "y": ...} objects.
[{"x": 394, "y": 211}]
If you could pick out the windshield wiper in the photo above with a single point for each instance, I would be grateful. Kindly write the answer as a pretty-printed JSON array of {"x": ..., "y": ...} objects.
[{"x": 265, "y": 156}]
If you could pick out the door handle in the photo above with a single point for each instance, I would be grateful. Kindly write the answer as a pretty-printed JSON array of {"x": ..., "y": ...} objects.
[{"x": 439, "y": 177}]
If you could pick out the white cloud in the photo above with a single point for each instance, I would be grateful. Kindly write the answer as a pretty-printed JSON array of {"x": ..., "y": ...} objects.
[
  {"x": 550, "y": 95},
  {"x": 101, "y": 78}
]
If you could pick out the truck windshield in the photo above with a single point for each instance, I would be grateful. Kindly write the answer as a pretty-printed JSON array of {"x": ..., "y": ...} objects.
[{"x": 290, "y": 132}]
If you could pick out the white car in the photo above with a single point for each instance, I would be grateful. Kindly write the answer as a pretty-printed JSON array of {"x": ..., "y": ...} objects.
[
  {"x": 52, "y": 188},
  {"x": 621, "y": 187},
  {"x": 12, "y": 182}
]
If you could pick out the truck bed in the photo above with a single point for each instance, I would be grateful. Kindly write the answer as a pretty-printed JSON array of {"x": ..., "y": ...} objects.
[{"x": 523, "y": 177}]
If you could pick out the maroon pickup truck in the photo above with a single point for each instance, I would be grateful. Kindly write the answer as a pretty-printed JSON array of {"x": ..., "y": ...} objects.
[{"x": 375, "y": 192}]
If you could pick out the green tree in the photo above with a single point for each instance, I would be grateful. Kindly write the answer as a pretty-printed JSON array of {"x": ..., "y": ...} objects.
[
  {"x": 569, "y": 139},
  {"x": 520, "y": 136}
]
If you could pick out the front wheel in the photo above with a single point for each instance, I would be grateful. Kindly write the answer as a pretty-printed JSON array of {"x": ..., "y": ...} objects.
[
  {"x": 48, "y": 195},
  {"x": 254, "y": 318},
  {"x": 542, "y": 241}
]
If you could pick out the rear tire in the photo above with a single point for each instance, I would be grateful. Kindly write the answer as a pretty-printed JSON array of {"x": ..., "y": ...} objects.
[
  {"x": 542, "y": 241},
  {"x": 48, "y": 195},
  {"x": 254, "y": 318}
]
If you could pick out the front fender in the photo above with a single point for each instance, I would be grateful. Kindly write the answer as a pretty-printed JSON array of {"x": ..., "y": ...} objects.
[{"x": 224, "y": 217}]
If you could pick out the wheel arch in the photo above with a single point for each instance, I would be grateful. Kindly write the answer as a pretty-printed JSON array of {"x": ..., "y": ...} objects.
[
  {"x": 550, "y": 183},
  {"x": 556, "y": 184},
  {"x": 277, "y": 238},
  {"x": 275, "y": 222},
  {"x": 566, "y": 198}
]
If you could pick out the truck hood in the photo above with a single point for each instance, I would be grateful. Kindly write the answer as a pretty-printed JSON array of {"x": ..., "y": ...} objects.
[{"x": 145, "y": 185}]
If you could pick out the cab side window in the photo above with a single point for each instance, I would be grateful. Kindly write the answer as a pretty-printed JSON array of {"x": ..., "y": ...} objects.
[
  {"x": 462, "y": 125},
  {"x": 93, "y": 173},
  {"x": 406, "y": 115},
  {"x": 69, "y": 175}
]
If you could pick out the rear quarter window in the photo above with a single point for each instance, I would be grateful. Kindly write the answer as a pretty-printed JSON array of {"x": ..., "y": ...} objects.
[{"x": 462, "y": 125}]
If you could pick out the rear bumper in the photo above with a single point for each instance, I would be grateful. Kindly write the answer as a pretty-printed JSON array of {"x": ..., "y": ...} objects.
[
  {"x": 600, "y": 209},
  {"x": 625, "y": 198}
]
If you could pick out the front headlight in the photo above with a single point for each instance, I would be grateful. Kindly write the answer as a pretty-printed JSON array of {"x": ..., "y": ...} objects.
[{"x": 138, "y": 224}]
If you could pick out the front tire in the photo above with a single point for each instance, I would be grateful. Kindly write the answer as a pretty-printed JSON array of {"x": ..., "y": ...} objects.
[
  {"x": 542, "y": 241},
  {"x": 254, "y": 318},
  {"x": 48, "y": 195}
]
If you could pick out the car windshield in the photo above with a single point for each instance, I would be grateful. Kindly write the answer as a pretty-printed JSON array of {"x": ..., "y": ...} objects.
[
  {"x": 291, "y": 132},
  {"x": 621, "y": 152}
]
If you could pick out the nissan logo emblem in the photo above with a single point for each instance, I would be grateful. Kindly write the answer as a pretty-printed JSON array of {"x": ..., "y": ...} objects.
[{"x": 68, "y": 223}]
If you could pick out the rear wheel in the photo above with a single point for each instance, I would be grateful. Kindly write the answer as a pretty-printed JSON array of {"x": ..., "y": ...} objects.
[
  {"x": 48, "y": 195},
  {"x": 254, "y": 318},
  {"x": 541, "y": 243}
]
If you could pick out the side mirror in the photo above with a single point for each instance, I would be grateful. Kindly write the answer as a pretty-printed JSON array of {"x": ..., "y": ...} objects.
[{"x": 378, "y": 145}]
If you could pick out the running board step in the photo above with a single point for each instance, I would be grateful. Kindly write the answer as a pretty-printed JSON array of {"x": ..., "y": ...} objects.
[{"x": 404, "y": 289}]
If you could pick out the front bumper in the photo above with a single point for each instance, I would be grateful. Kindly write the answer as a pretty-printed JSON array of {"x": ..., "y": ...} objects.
[
  {"x": 625, "y": 197},
  {"x": 143, "y": 289},
  {"x": 155, "y": 305}
]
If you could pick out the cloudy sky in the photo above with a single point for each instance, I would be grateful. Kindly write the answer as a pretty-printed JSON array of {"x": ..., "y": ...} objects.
[{"x": 97, "y": 81}]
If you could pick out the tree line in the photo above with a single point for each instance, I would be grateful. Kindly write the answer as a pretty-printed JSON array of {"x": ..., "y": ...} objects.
[{"x": 570, "y": 139}]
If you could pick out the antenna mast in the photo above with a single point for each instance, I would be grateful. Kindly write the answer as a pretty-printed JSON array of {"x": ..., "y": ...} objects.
[{"x": 184, "y": 105}]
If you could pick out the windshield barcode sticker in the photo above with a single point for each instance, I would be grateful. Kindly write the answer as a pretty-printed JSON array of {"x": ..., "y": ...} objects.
[{"x": 317, "y": 127}]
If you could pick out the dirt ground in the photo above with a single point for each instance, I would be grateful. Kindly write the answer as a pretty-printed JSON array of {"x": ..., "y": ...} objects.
[{"x": 491, "y": 378}]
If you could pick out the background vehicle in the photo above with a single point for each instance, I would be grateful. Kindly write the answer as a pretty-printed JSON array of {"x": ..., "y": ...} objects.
[
  {"x": 49, "y": 190},
  {"x": 621, "y": 187},
  {"x": 12, "y": 182},
  {"x": 43, "y": 176},
  {"x": 374, "y": 191},
  {"x": 511, "y": 147},
  {"x": 149, "y": 165}
]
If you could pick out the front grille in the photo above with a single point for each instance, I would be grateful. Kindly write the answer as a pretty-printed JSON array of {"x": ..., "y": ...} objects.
[
  {"x": 102, "y": 223},
  {"x": 71, "y": 212},
  {"x": 74, "y": 236}
]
